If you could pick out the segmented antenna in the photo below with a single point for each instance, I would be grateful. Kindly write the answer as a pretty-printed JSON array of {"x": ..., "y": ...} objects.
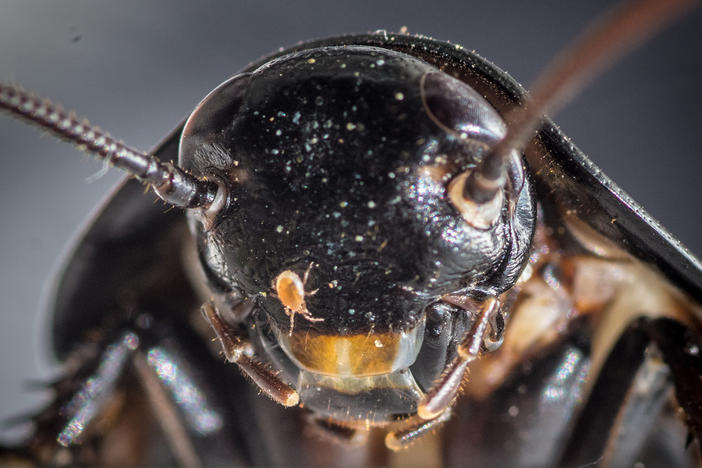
[
  {"x": 570, "y": 71},
  {"x": 171, "y": 183}
]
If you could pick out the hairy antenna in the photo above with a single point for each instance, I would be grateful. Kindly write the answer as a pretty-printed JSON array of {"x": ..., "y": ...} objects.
[
  {"x": 571, "y": 70},
  {"x": 171, "y": 183}
]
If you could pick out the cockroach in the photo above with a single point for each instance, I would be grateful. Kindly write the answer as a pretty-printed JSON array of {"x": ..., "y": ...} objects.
[{"x": 361, "y": 325}]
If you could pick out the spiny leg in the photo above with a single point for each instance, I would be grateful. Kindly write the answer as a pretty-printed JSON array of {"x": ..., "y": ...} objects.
[
  {"x": 238, "y": 350},
  {"x": 682, "y": 352},
  {"x": 86, "y": 399},
  {"x": 128, "y": 382},
  {"x": 81, "y": 398},
  {"x": 441, "y": 396},
  {"x": 525, "y": 421},
  {"x": 435, "y": 408},
  {"x": 402, "y": 438},
  {"x": 166, "y": 412},
  {"x": 631, "y": 391}
]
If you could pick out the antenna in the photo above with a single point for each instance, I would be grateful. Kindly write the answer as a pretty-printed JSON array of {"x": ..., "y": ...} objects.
[
  {"x": 171, "y": 183},
  {"x": 607, "y": 39}
]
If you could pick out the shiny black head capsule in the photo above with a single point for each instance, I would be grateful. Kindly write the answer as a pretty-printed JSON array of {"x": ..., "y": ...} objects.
[{"x": 344, "y": 218}]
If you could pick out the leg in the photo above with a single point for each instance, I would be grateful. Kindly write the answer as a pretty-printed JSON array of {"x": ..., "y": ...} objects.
[
  {"x": 443, "y": 393},
  {"x": 141, "y": 395},
  {"x": 82, "y": 397},
  {"x": 626, "y": 404},
  {"x": 238, "y": 350},
  {"x": 524, "y": 422},
  {"x": 435, "y": 407},
  {"x": 403, "y": 438}
]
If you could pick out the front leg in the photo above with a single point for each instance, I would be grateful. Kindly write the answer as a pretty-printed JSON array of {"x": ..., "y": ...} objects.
[
  {"x": 237, "y": 349},
  {"x": 435, "y": 408}
]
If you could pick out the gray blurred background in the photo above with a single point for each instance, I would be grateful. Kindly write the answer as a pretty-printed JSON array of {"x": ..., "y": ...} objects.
[{"x": 137, "y": 68}]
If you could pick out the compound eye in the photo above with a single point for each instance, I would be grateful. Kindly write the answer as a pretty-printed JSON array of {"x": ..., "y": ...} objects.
[
  {"x": 478, "y": 215},
  {"x": 201, "y": 146},
  {"x": 462, "y": 112},
  {"x": 459, "y": 110},
  {"x": 217, "y": 109}
]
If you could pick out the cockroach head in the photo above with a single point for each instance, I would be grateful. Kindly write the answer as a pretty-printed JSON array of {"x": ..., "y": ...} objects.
[{"x": 345, "y": 169}]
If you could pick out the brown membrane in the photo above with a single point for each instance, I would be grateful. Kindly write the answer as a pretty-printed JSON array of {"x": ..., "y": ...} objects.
[{"x": 355, "y": 355}]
